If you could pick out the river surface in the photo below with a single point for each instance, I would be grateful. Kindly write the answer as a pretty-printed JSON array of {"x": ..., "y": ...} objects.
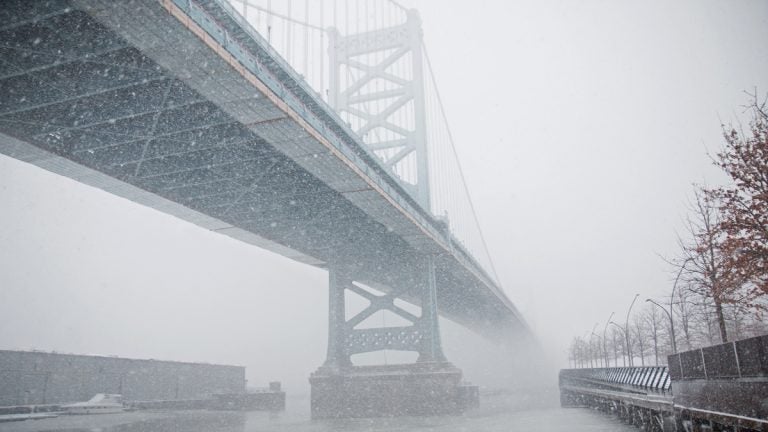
[{"x": 498, "y": 413}]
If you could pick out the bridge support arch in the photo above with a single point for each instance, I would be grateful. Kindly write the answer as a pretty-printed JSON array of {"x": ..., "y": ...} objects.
[{"x": 430, "y": 386}]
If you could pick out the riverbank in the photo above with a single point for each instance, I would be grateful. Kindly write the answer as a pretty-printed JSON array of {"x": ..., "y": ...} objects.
[{"x": 499, "y": 412}]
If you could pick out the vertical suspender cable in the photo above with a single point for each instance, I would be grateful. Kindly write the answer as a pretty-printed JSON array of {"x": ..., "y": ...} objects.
[
  {"x": 461, "y": 173},
  {"x": 322, "y": 51},
  {"x": 288, "y": 31},
  {"x": 306, "y": 40},
  {"x": 269, "y": 21}
]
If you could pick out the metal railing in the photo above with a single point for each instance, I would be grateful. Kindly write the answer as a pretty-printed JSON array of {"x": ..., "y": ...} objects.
[{"x": 653, "y": 378}]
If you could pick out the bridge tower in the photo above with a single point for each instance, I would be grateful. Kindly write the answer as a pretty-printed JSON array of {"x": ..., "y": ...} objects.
[
  {"x": 431, "y": 386},
  {"x": 377, "y": 85}
]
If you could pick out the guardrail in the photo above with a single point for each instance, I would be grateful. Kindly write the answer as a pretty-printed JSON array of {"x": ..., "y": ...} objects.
[
  {"x": 639, "y": 396},
  {"x": 654, "y": 378},
  {"x": 720, "y": 388}
]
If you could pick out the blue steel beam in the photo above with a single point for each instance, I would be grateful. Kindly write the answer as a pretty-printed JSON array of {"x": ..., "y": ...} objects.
[{"x": 141, "y": 119}]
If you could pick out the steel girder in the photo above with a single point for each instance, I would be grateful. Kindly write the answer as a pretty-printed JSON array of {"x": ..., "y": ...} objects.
[
  {"x": 345, "y": 340},
  {"x": 377, "y": 84}
]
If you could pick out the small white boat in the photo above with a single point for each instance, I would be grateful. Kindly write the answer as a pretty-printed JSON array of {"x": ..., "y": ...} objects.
[{"x": 99, "y": 404}]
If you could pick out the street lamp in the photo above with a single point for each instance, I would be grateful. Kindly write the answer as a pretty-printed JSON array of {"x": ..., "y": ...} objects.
[
  {"x": 625, "y": 337},
  {"x": 602, "y": 358},
  {"x": 580, "y": 352},
  {"x": 671, "y": 302},
  {"x": 590, "y": 342},
  {"x": 626, "y": 328},
  {"x": 590, "y": 354},
  {"x": 671, "y": 323},
  {"x": 605, "y": 351}
]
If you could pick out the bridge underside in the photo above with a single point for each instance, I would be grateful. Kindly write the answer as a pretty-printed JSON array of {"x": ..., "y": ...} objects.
[{"x": 123, "y": 96}]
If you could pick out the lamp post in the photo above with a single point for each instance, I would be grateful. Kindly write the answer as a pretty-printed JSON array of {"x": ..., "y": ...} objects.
[
  {"x": 625, "y": 338},
  {"x": 605, "y": 351},
  {"x": 602, "y": 357},
  {"x": 591, "y": 354},
  {"x": 671, "y": 323},
  {"x": 671, "y": 302},
  {"x": 626, "y": 329},
  {"x": 576, "y": 350}
]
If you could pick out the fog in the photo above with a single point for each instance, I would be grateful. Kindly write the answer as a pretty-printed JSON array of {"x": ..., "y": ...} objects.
[{"x": 580, "y": 126}]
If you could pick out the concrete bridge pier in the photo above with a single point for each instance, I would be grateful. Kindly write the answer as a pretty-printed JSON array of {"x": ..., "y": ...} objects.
[{"x": 431, "y": 386}]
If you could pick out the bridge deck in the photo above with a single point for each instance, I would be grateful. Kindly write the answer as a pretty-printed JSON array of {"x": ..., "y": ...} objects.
[{"x": 178, "y": 106}]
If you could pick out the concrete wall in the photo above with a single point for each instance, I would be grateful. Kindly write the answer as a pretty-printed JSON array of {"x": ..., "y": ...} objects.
[{"x": 39, "y": 377}]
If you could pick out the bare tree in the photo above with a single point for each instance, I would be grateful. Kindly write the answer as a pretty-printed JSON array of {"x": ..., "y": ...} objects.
[
  {"x": 682, "y": 309},
  {"x": 580, "y": 352},
  {"x": 707, "y": 272},
  {"x": 653, "y": 323},
  {"x": 707, "y": 312},
  {"x": 617, "y": 344},
  {"x": 640, "y": 329},
  {"x": 722, "y": 266},
  {"x": 665, "y": 342}
]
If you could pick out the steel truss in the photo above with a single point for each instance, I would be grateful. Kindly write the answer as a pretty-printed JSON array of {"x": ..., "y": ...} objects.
[
  {"x": 377, "y": 84},
  {"x": 344, "y": 340}
]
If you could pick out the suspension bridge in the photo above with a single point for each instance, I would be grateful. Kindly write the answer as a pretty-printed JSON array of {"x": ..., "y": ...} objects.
[{"x": 311, "y": 129}]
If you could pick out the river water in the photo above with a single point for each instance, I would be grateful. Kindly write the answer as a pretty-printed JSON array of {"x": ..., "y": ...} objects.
[{"x": 498, "y": 413}]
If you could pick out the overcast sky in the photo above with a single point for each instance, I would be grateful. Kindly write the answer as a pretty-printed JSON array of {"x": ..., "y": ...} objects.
[{"x": 581, "y": 126}]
